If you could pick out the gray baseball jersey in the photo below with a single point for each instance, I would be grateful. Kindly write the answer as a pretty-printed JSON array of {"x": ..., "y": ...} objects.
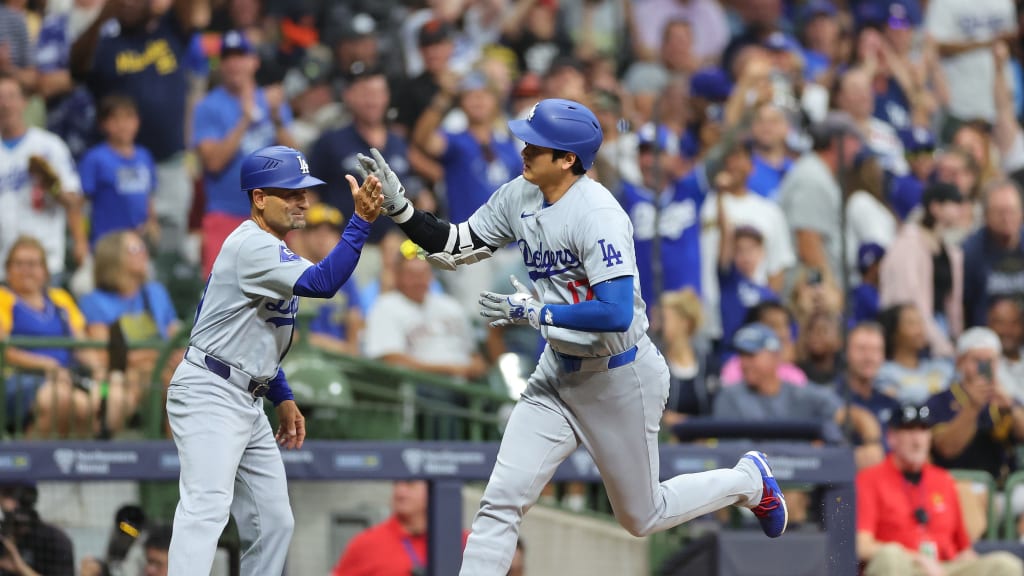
[
  {"x": 247, "y": 313},
  {"x": 582, "y": 240}
]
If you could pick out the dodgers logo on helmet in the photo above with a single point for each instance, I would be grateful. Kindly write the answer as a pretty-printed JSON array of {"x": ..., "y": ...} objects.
[
  {"x": 561, "y": 125},
  {"x": 277, "y": 167}
]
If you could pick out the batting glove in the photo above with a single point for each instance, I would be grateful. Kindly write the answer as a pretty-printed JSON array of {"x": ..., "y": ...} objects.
[
  {"x": 518, "y": 308},
  {"x": 394, "y": 193}
]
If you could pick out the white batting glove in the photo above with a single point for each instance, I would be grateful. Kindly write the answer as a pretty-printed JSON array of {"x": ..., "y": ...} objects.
[
  {"x": 518, "y": 308},
  {"x": 392, "y": 189}
]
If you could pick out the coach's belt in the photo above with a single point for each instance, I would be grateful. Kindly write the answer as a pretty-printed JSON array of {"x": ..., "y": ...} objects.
[
  {"x": 580, "y": 364},
  {"x": 234, "y": 375}
]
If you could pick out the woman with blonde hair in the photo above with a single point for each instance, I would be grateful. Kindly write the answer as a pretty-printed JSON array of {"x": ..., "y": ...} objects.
[
  {"x": 40, "y": 397},
  {"x": 687, "y": 355},
  {"x": 125, "y": 295}
]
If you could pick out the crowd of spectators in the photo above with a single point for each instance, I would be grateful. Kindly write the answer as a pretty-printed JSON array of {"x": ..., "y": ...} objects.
[{"x": 826, "y": 196}]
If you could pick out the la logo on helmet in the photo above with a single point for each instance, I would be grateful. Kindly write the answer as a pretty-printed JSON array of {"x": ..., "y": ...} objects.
[{"x": 303, "y": 167}]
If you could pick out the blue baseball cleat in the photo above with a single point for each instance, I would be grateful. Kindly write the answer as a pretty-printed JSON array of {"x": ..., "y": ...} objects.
[{"x": 771, "y": 512}]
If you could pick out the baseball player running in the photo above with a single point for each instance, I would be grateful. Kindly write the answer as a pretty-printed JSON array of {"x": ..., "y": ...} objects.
[
  {"x": 242, "y": 331},
  {"x": 600, "y": 383}
]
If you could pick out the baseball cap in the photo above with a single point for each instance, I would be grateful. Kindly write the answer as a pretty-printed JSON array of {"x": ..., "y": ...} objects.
[
  {"x": 905, "y": 195},
  {"x": 360, "y": 70},
  {"x": 899, "y": 18},
  {"x": 867, "y": 255},
  {"x": 657, "y": 136},
  {"x": 941, "y": 192},
  {"x": 978, "y": 338},
  {"x": 356, "y": 27},
  {"x": 435, "y": 31},
  {"x": 528, "y": 86},
  {"x": 911, "y": 416},
  {"x": 754, "y": 338},
  {"x": 917, "y": 140},
  {"x": 816, "y": 8},
  {"x": 711, "y": 84},
  {"x": 473, "y": 81},
  {"x": 324, "y": 214},
  {"x": 235, "y": 42},
  {"x": 779, "y": 42}
]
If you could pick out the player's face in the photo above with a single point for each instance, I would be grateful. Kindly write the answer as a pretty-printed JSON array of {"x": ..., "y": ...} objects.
[
  {"x": 156, "y": 562},
  {"x": 540, "y": 167},
  {"x": 285, "y": 210}
]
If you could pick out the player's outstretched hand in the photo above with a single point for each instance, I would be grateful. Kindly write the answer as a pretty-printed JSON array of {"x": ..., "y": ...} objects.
[
  {"x": 292, "y": 425},
  {"x": 368, "y": 197},
  {"x": 519, "y": 307},
  {"x": 394, "y": 192}
]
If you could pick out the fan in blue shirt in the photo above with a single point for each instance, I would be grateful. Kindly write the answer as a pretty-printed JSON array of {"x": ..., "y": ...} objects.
[
  {"x": 477, "y": 160},
  {"x": 665, "y": 216},
  {"x": 118, "y": 176},
  {"x": 740, "y": 253}
]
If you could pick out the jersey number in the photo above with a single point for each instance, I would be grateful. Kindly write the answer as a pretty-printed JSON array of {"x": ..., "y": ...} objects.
[{"x": 576, "y": 287}]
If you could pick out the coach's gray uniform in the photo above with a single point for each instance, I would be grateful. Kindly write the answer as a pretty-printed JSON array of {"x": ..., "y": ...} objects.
[
  {"x": 229, "y": 459},
  {"x": 604, "y": 390}
]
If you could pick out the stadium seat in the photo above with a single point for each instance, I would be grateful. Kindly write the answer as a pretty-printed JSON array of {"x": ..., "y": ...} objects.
[
  {"x": 976, "y": 489},
  {"x": 1016, "y": 480}
]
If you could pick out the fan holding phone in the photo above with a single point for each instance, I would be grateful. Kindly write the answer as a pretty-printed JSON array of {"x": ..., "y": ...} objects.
[{"x": 977, "y": 421}]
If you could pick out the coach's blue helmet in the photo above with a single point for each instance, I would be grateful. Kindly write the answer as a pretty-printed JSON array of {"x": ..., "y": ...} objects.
[
  {"x": 561, "y": 125},
  {"x": 277, "y": 167}
]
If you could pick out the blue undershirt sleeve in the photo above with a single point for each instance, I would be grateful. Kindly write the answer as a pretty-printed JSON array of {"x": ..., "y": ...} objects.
[
  {"x": 323, "y": 280},
  {"x": 279, "y": 389},
  {"x": 610, "y": 311}
]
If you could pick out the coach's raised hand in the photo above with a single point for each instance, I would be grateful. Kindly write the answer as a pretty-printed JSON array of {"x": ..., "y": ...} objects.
[
  {"x": 395, "y": 201},
  {"x": 367, "y": 198}
]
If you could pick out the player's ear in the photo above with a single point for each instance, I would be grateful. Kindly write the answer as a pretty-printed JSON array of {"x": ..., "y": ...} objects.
[{"x": 258, "y": 198}]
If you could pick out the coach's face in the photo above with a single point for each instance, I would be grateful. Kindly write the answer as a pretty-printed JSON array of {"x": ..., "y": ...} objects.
[{"x": 282, "y": 210}]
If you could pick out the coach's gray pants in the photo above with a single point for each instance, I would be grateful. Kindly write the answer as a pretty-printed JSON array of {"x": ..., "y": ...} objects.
[
  {"x": 229, "y": 463},
  {"x": 615, "y": 414}
]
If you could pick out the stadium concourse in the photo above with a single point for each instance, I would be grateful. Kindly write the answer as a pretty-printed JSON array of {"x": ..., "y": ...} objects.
[{"x": 826, "y": 219}]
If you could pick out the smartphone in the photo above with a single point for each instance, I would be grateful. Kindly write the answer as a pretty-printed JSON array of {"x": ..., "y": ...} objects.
[
  {"x": 814, "y": 277},
  {"x": 985, "y": 368}
]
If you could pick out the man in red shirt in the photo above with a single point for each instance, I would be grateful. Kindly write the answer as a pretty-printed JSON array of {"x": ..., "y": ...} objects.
[
  {"x": 397, "y": 546},
  {"x": 908, "y": 512}
]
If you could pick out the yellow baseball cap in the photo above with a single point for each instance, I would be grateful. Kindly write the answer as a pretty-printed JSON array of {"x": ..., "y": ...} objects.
[{"x": 324, "y": 214}]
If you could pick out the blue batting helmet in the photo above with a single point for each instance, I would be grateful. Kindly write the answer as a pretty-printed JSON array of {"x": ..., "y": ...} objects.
[
  {"x": 561, "y": 125},
  {"x": 277, "y": 167}
]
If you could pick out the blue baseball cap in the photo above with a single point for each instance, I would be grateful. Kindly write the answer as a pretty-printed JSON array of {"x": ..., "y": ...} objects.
[
  {"x": 917, "y": 140},
  {"x": 235, "y": 42},
  {"x": 711, "y": 84},
  {"x": 905, "y": 194},
  {"x": 754, "y": 338},
  {"x": 780, "y": 42},
  {"x": 816, "y": 8},
  {"x": 658, "y": 136},
  {"x": 868, "y": 254},
  {"x": 899, "y": 16}
]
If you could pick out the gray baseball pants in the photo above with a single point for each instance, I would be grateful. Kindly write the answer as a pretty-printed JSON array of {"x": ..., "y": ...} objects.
[
  {"x": 230, "y": 463},
  {"x": 615, "y": 414}
]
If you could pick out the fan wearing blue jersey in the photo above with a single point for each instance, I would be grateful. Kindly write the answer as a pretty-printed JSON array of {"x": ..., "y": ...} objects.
[
  {"x": 119, "y": 176},
  {"x": 600, "y": 383},
  {"x": 243, "y": 329}
]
